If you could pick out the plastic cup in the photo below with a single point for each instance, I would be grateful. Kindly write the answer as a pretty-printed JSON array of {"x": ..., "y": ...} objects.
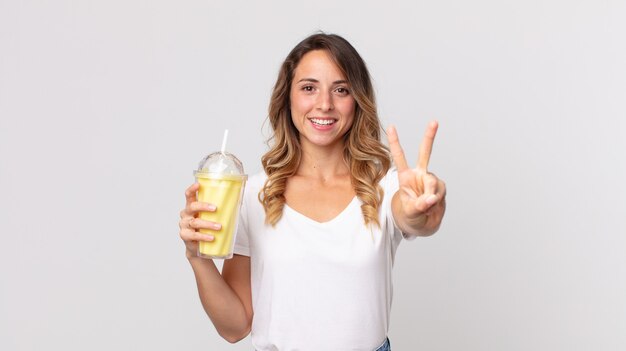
[{"x": 222, "y": 181}]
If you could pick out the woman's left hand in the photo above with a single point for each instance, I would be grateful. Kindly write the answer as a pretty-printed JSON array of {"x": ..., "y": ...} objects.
[{"x": 420, "y": 202}]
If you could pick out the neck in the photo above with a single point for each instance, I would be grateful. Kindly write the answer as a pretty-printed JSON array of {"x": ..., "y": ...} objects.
[{"x": 322, "y": 162}]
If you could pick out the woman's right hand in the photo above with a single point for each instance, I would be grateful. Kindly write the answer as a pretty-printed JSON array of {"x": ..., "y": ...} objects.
[{"x": 189, "y": 223}]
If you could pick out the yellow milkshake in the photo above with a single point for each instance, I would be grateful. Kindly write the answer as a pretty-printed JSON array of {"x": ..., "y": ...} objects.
[
  {"x": 222, "y": 180},
  {"x": 225, "y": 193}
]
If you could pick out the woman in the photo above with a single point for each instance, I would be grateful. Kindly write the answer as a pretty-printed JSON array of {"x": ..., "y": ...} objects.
[{"x": 320, "y": 226}]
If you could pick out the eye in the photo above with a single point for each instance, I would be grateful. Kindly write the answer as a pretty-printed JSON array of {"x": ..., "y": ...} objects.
[
  {"x": 342, "y": 91},
  {"x": 307, "y": 88}
]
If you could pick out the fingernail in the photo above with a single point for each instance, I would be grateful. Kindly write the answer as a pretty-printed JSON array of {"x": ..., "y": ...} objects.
[
  {"x": 211, "y": 208},
  {"x": 209, "y": 237},
  {"x": 431, "y": 199},
  {"x": 217, "y": 226}
]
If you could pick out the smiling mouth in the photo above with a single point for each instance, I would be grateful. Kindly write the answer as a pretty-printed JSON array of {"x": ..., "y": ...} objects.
[{"x": 323, "y": 121}]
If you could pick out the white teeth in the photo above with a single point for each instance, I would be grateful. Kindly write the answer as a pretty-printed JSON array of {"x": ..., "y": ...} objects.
[{"x": 323, "y": 122}]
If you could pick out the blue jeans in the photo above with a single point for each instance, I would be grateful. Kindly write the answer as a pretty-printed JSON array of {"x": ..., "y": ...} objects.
[{"x": 385, "y": 347}]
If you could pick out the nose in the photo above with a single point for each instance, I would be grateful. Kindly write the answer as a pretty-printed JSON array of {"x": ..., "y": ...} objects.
[{"x": 325, "y": 101}]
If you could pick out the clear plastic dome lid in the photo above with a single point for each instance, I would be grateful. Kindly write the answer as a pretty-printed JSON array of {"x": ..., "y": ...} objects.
[{"x": 219, "y": 163}]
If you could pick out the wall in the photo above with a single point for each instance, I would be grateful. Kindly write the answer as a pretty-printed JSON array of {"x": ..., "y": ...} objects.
[{"x": 106, "y": 108}]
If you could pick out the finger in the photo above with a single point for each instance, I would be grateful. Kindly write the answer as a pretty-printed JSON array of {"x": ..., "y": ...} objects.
[
  {"x": 430, "y": 183},
  {"x": 190, "y": 235},
  {"x": 440, "y": 205},
  {"x": 197, "y": 223},
  {"x": 396, "y": 150},
  {"x": 437, "y": 200},
  {"x": 184, "y": 222},
  {"x": 426, "y": 146},
  {"x": 425, "y": 202},
  {"x": 190, "y": 193},
  {"x": 193, "y": 208},
  {"x": 198, "y": 206},
  {"x": 442, "y": 189}
]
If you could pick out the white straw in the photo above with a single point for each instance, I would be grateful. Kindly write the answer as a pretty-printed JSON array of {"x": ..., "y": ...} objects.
[{"x": 224, "y": 142}]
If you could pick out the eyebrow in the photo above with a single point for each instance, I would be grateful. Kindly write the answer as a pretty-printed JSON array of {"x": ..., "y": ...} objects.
[{"x": 313, "y": 80}]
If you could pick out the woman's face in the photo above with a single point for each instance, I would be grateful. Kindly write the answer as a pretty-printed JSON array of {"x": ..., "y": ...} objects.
[{"x": 322, "y": 107}]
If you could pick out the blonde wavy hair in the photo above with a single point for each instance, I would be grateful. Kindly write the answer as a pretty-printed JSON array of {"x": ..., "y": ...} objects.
[{"x": 367, "y": 157}]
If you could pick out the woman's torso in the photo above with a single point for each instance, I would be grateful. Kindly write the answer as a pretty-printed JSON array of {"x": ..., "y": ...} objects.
[{"x": 318, "y": 284}]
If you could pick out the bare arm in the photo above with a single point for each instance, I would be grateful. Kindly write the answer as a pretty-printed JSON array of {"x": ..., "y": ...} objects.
[{"x": 226, "y": 297}]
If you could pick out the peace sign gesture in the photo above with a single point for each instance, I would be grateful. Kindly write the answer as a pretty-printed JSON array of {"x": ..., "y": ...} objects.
[{"x": 419, "y": 204}]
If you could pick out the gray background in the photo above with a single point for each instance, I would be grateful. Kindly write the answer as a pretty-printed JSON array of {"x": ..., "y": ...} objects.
[{"x": 107, "y": 106}]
